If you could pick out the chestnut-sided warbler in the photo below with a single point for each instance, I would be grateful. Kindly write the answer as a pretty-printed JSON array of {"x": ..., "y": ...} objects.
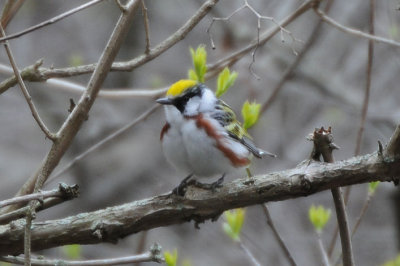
[{"x": 202, "y": 136}]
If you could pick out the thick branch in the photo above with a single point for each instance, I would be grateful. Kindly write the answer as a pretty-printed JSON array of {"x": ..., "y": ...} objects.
[{"x": 110, "y": 224}]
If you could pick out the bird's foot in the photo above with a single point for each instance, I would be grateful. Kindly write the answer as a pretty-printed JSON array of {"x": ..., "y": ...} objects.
[
  {"x": 213, "y": 186},
  {"x": 180, "y": 190}
]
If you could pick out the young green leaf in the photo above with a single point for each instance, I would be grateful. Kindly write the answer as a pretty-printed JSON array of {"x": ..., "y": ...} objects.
[
  {"x": 199, "y": 59},
  {"x": 225, "y": 81},
  {"x": 319, "y": 216},
  {"x": 372, "y": 187},
  {"x": 72, "y": 252},
  {"x": 171, "y": 258},
  {"x": 250, "y": 114},
  {"x": 395, "y": 262},
  {"x": 234, "y": 222},
  {"x": 192, "y": 75},
  {"x": 186, "y": 262}
]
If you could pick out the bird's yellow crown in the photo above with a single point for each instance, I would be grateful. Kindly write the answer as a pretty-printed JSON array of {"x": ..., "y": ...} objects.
[{"x": 180, "y": 86}]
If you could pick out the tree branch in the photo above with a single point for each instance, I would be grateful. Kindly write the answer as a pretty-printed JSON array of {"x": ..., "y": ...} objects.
[
  {"x": 63, "y": 191},
  {"x": 48, "y": 73},
  {"x": 112, "y": 223},
  {"x": 50, "y": 21},
  {"x": 154, "y": 254},
  {"x": 352, "y": 31},
  {"x": 24, "y": 90}
]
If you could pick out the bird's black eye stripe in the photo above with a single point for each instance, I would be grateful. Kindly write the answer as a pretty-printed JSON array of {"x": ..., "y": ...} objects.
[{"x": 181, "y": 101}]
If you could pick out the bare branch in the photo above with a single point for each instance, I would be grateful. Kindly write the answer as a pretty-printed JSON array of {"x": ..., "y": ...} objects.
[
  {"x": 146, "y": 27},
  {"x": 277, "y": 236},
  {"x": 20, "y": 213},
  {"x": 354, "y": 32},
  {"x": 63, "y": 191},
  {"x": 50, "y": 21},
  {"x": 324, "y": 146},
  {"x": 248, "y": 253},
  {"x": 263, "y": 38},
  {"x": 289, "y": 71},
  {"x": 9, "y": 10},
  {"x": 393, "y": 147},
  {"x": 106, "y": 140},
  {"x": 24, "y": 90},
  {"x": 153, "y": 255},
  {"x": 322, "y": 250},
  {"x": 110, "y": 224}
]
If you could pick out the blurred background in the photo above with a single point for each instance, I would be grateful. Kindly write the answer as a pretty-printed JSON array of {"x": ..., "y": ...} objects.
[{"x": 326, "y": 89}]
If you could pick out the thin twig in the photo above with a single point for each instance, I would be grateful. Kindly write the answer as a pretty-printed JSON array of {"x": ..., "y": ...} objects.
[
  {"x": 263, "y": 38},
  {"x": 141, "y": 245},
  {"x": 20, "y": 213},
  {"x": 324, "y": 146},
  {"x": 322, "y": 250},
  {"x": 289, "y": 71},
  {"x": 354, "y": 32},
  {"x": 153, "y": 255},
  {"x": 364, "y": 110},
  {"x": 27, "y": 236},
  {"x": 277, "y": 236},
  {"x": 146, "y": 27},
  {"x": 40, "y": 196},
  {"x": 50, "y": 21},
  {"x": 249, "y": 254},
  {"x": 345, "y": 238},
  {"x": 106, "y": 140},
  {"x": 358, "y": 221},
  {"x": 24, "y": 90},
  {"x": 9, "y": 10},
  {"x": 33, "y": 73}
]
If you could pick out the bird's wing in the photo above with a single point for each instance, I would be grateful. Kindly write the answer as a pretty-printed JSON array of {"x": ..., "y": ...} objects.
[{"x": 226, "y": 117}]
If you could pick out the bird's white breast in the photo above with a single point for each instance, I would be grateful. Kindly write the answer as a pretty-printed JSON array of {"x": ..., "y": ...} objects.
[{"x": 190, "y": 149}]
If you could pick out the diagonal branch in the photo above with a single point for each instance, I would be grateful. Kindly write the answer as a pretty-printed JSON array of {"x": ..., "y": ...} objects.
[
  {"x": 110, "y": 224},
  {"x": 352, "y": 31},
  {"x": 24, "y": 90},
  {"x": 50, "y": 21}
]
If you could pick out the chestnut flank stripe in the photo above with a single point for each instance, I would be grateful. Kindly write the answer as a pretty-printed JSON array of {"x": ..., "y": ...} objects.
[
  {"x": 203, "y": 123},
  {"x": 164, "y": 130}
]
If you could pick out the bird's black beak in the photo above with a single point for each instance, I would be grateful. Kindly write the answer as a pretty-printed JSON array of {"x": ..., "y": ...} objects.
[{"x": 165, "y": 100}]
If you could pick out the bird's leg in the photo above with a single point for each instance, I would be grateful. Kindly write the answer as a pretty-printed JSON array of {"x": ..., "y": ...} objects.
[
  {"x": 181, "y": 188},
  {"x": 212, "y": 186}
]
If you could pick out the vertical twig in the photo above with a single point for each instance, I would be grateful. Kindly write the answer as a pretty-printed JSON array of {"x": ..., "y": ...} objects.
[
  {"x": 364, "y": 109},
  {"x": 24, "y": 90},
  {"x": 273, "y": 228},
  {"x": 146, "y": 27},
  {"x": 277, "y": 236},
  {"x": 9, "y": 10},
  {"x": 27, "y": 237},
  {"x": 141, "y": 245},
  {"x": 249, "y": 254},
  {"x": 289, "y": 71},
  {"x": 323, "y": 145},
  {"x": 325, "y": 258}
]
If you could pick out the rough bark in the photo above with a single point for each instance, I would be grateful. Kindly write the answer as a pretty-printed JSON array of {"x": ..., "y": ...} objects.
[{"x": 110, "y": 224}]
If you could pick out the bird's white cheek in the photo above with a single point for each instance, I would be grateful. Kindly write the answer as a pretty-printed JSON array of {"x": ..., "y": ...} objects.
[
  {"x": 192, "y": 107},
  {"x": 173, "y": 115}
]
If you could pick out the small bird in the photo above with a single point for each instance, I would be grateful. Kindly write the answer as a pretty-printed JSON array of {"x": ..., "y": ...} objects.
[{"x": 202, "y": 135}]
